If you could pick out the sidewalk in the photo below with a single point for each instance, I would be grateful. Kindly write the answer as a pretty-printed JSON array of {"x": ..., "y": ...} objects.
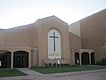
[
  {"x": 76, "y": 73},
  {"x": 32, "y": 75},
  {"x": 81, "y": 75}
]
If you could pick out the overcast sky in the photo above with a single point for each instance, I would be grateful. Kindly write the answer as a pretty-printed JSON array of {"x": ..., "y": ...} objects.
[{"x": 21, "y": 12}]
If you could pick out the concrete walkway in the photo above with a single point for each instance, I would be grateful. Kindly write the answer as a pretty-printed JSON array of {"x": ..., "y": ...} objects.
[{"x": 82, "y": 75}]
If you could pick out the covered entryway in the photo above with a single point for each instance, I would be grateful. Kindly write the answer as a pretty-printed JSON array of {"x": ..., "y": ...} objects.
[
  {"x": 21, "y": 59},
  {"x": 85, "y": 58},
  {"x": 5, "y": 59},
  {"x": 92, "y": 58},
  {"x": 77, "y": 58}
]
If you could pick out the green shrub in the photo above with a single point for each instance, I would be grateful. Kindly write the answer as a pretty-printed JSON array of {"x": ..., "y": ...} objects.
[
  {"x": 74, "y": 65},
  {"x": 102, "y": 62},
  {"x": 37, "y": 67}
]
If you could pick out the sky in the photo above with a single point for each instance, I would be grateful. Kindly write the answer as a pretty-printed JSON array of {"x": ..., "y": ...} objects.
[{"x": 21, "y": 12}]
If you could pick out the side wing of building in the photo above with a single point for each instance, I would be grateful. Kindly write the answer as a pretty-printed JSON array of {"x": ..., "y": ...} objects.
[{"x": 93, "y": 33}]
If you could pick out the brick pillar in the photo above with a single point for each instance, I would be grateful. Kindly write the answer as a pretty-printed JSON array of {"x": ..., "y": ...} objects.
[
  {"x": 12, "y": 55},
  {"x": 89, "y": 58},
  {"x": 80, "y": 58}
]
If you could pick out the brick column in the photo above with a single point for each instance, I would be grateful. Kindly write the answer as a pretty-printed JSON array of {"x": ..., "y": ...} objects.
[
  {"x": 12, "y": 55},
  {"x": 29, "y": 61},
  {"x": 80, "y": 58},
  {"x": 89, "y": 58}
]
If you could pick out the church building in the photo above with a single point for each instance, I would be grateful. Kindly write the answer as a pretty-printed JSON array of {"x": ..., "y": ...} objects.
[{"x": 52, "y": 42}]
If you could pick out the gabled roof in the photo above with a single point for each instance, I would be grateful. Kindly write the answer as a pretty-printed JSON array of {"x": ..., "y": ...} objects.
[
  {"x": 50, "y": 18},
  {"x": 53, "y": 17}
]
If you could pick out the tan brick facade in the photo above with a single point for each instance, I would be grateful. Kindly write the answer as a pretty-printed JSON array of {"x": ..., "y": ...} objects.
[{"x": 27, "y": 45}]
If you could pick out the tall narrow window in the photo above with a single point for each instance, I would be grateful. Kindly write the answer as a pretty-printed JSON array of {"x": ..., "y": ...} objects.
[{"x": 54, "y": 44}]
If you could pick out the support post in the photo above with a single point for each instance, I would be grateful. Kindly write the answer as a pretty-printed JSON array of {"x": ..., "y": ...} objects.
[
  {"x": 80, "y": 58},
  {"x": 12, "y": 55},
  {"x": 89, "y": 58},
  {"x": 29, "y": 59}
]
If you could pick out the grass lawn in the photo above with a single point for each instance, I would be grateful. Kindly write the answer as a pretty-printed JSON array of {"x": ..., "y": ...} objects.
[
  {"x": 10, "y": 72},
  {"x": 49, "y": 70}
]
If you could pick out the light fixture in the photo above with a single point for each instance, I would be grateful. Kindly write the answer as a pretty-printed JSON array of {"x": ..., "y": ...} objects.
[{"x": 104, "y": 43}]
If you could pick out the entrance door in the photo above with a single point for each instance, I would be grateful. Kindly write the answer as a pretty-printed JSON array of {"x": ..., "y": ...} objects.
[
  {"x": 92, "y": 58},
  {"x": 77, "y": 58},
  {"x": 5, "y": 58},
  {"x": 21, "y": 59},
  {"x": 85, "y": 58}
]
